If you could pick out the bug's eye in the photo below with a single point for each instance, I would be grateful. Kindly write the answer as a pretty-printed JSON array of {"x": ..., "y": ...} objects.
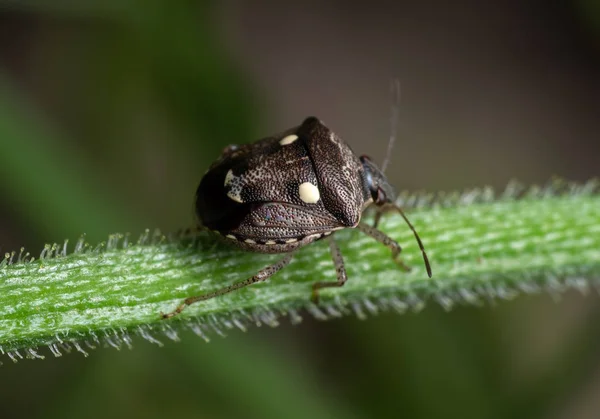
[{"x": 381, "y": 197}]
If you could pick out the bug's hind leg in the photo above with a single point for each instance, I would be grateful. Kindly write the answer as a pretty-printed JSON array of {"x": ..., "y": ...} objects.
[
  {"x": 384, "y": 239},
  {"x": 340, "y": 271},
  {"x": 262, "y": 275}
]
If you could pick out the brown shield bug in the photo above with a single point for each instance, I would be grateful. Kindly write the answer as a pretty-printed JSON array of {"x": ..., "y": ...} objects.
[{"x": 286, "y": 191}]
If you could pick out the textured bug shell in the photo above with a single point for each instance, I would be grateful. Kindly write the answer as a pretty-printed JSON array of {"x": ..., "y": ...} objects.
[
  {"x": 283, "y": 191},
  {"x": 339, "y": 172}
]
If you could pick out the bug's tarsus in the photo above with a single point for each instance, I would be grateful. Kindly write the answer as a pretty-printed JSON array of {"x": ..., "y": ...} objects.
[
  {"x": 175, "y": 312},
  {"x": 340, "y": 271},
  {"x": 262, "y": 275}
]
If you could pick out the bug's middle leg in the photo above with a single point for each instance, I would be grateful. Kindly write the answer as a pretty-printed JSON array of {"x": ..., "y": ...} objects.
[
  {"x": 340, "y": 271},
  {"x": 384, "y": 239},
  {"x": 262, "y": 275}
]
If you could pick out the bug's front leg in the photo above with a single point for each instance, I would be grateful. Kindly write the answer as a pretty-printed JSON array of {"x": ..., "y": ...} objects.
[
  {"x": 262, "y": 275},
  {"x": 384, "y": 239},
  {"x": 377, "y": 217},
  {"x": 340, "y": 271},
  {"x": 381, "y": 210}
]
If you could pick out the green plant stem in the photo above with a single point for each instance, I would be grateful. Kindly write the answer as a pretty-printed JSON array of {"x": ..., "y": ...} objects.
[{"x": 480, "y": 247}]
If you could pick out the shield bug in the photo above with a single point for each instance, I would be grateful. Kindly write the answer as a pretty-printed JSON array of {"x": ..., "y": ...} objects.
[{"x": 286, "y": 191}]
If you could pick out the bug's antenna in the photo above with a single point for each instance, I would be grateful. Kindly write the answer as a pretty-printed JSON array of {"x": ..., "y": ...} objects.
[
  {"x": 425, "y": 258},
  {"x": 395, "y": 96}
]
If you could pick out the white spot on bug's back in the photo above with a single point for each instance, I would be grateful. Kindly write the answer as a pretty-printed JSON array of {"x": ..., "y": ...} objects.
[
  {"x": 231, "y": 236},
  {"x": 249, "y": 241},
  {"x": 288, "y": 140},
  {"x": 270, "y": 242},
  {"x": 309, "y": 193},
  {"x": 291, "y": 240},
  {"x": 229, "y": 177},
  {"x": 235, "y": 196}
]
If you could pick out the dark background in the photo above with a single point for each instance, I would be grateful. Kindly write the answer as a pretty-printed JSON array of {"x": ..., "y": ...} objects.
[{"x": 111, "y": 111}]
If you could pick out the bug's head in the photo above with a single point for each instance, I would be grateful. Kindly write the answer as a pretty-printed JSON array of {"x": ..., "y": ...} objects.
[{"x": 376, "y": 183}]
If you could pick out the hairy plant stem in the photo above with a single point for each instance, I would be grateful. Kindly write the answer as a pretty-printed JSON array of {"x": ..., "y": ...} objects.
[{"x": 481, "y": 247}]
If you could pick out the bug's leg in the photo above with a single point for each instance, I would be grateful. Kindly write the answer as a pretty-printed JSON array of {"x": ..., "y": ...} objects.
[
  {"x": 377, "y": 218},
  {"x": 384, "y": 239},
  {"x": 340, "y": 271},
  {"x": 380, "y": 210},
  {"x": 262, "y": 275}
]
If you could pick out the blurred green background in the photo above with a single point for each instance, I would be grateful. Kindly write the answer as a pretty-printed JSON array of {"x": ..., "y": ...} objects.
[{"x": 111, "y": 111}]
